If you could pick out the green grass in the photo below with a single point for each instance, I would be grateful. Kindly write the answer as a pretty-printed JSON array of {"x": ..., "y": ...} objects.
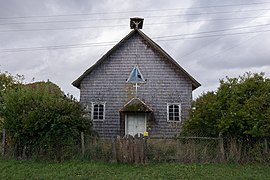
[{"x": 11, "y": 169}]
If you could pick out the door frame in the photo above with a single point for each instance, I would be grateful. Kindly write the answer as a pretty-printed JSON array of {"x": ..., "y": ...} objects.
[{"x": 126, "y": 119}]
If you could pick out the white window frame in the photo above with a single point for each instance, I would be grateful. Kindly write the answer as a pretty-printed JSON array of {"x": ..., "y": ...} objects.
[
  {"x": 92, "y": 110},
  {"x": 179, "y": 105}
]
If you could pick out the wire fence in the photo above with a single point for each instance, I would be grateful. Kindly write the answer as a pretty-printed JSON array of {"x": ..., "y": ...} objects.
[
  {"x": 180, "y": 149},
  {"x": 141, "y": 149},
  {"x": 184, "y": 149}
]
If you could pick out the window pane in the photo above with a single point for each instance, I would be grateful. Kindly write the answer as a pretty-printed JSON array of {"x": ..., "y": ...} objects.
[
  {"x": 171, "y": 109},
  {"x": 95, "y": 116},
  {"x": 95, "y": 107},
  {"x": 176, "y": 108},
  {"x": 101, "y": 107},
  {"x": 135, "y": 76},
  {"x": 171, "y": 116}
]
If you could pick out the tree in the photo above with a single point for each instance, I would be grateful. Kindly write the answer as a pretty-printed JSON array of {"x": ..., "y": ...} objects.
[
  {"x": 203, "y": 116},
  {"x": 40, "y": 120},
  {"x": 7, "y": 81},
  {"x": 240, "y": 107}
]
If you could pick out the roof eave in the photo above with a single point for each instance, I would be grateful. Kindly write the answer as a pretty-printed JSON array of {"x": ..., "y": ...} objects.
[
  {"x": 195, "y": 83},
  {"x": 77, "y": 82},
  {"x": 139, "y": 106}
]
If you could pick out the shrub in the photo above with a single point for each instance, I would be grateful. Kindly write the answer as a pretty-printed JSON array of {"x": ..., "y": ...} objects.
[{"x": 41, "y": 121}]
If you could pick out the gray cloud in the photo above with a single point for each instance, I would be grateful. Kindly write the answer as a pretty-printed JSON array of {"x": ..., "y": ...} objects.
[{"x": 207, "y": 59}]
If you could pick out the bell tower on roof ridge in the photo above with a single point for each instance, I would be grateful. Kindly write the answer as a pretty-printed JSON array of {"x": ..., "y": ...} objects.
[{"x": 136, "y": 23}]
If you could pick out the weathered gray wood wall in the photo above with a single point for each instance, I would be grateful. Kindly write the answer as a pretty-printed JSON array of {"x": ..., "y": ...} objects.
[{"x": 165, "y": 84}]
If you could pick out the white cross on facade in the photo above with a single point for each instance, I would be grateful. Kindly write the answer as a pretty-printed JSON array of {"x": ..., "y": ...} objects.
[{"x": 136, "y": 89}]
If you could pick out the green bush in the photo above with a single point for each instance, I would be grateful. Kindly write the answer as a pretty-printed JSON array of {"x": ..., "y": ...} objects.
[
  {"x": 239, "y": 108},
  {"x": 41, "y": 121}
]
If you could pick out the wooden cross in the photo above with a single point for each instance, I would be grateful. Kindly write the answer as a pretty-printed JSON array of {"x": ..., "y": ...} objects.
[{"x": 136, "y": 89}]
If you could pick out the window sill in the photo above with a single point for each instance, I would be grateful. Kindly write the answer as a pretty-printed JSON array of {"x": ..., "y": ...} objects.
[
  {"x": 174, "y": 121},
  {"x": 98, "y": 120}
]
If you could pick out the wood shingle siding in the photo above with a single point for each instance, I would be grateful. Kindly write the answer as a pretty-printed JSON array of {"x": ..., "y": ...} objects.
[{"x": 165, "y": 83}]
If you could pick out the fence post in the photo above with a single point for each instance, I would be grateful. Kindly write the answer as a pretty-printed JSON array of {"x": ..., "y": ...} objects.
[
  {"x": 177, "y": 149},
  {"x": 119, "y": 145},
  {"x": 145, "y": 149},
  {"x": 82, "y": 143},
  {"x": 3, "y": 142},
  {"x": 221, "y": 148},
  {"x": 113, "y": 150},
  {"x": 265, "y": 145}
]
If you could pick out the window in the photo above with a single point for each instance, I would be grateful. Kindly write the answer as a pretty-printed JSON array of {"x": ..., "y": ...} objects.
[
  {"x": 98, "y": 111},
  {"x": 135, "y": 76},
  {"x": 174, "y": 112}
]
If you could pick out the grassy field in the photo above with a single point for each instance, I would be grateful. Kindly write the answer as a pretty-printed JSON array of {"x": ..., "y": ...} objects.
[{"x": 11, "y": 169}]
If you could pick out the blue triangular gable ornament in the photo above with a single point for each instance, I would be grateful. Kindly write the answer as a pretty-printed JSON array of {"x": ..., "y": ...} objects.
[{"x": 136, "y": 76}]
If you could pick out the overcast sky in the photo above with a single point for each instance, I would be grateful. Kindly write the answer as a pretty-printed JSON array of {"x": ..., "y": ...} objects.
[{"x": 59, "y": 39}]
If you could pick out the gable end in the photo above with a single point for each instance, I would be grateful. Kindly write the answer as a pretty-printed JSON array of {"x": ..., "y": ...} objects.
[{"x": 77, "y": 82}]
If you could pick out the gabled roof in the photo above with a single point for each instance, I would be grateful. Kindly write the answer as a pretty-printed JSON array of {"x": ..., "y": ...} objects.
[
  {"x": 77, "y": 82},
  {"x": 135, "y": 105}
]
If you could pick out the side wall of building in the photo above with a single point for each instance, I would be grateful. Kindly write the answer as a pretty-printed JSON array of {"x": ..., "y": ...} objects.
[{"x": 165, "y": 83}]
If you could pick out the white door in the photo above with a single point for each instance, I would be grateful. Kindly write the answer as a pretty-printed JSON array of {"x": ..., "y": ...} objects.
[{"x": 135, "y": 123}]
